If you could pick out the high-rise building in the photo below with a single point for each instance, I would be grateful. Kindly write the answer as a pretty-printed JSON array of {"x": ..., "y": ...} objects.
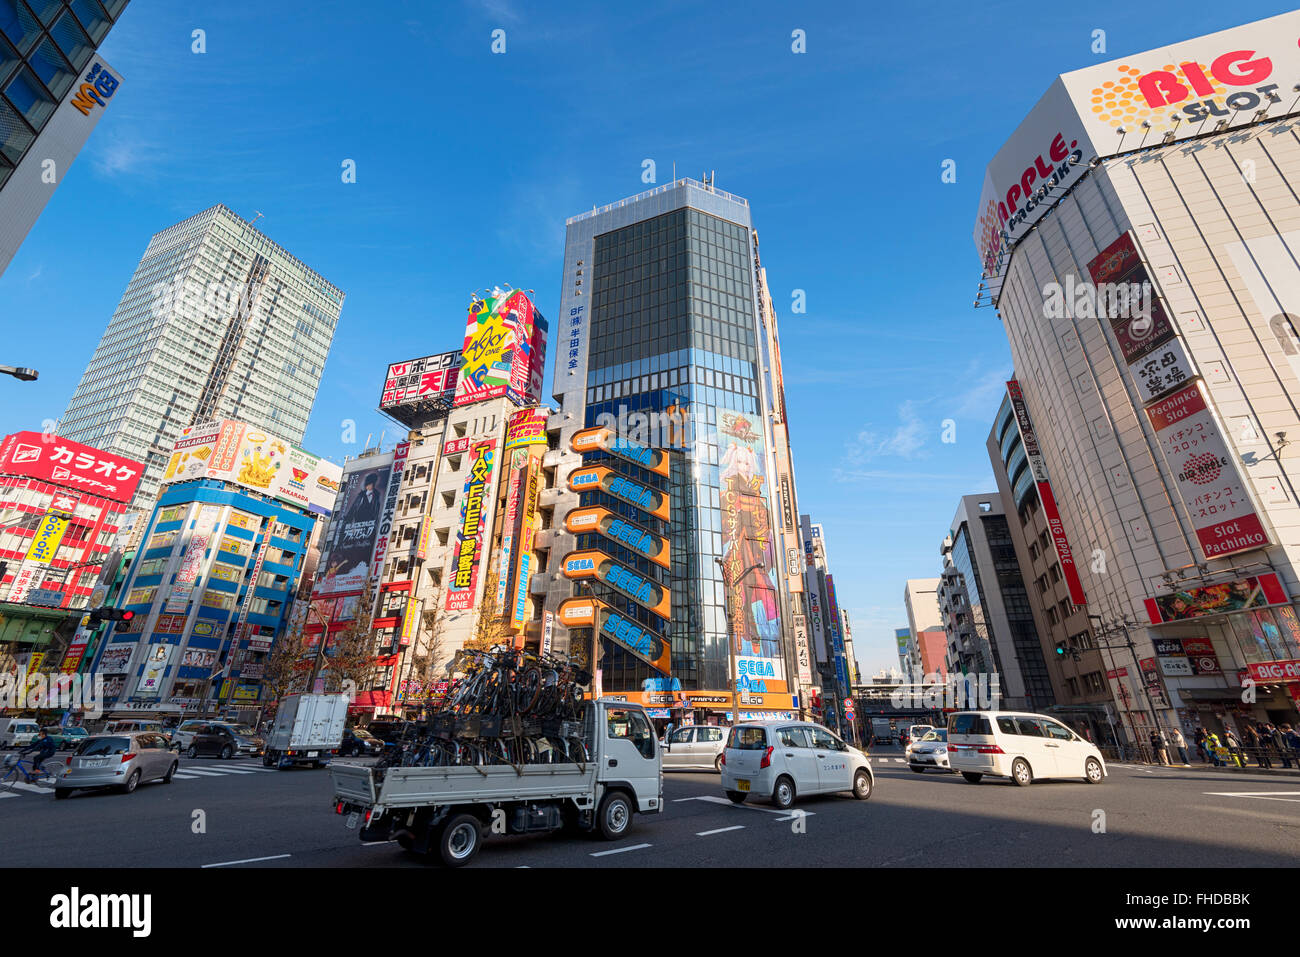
[
  {"x": 926, "y": 640},
  {"x": 53, "y": 90},
  {"x": 830, "y": 661},
  {"x": 1139, "y": 234},
  {"x": 218, "y": 322},
  {"x": 663, "y": 341},
  {"x": 985, "y": 608}
]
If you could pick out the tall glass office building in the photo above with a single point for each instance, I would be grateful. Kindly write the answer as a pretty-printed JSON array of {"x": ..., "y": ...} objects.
[
  {"x": 218, "y": 322},
  {"x": 660, "y": 330},
  {"x": 53, "y": 90}
]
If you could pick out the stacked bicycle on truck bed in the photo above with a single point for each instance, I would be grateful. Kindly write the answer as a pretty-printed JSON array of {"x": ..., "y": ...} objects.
[{"x": 510, "y": 707}]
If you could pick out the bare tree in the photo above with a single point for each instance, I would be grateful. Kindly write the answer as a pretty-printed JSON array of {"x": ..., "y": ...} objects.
[
  {"x": 490, "y": 629},
  {"x": 351, "y": 653},
  {"x": 283, "y": 668}
]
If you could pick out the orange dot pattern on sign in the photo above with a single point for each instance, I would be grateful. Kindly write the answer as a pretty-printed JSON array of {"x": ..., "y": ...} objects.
[{"x": 1121, "y": 103}]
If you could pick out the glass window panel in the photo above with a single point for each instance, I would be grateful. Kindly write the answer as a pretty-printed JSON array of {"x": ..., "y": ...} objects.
[
  {"x": 15, "y": 135},
  {"x": 74, "y": 42},
  {"x": 29, "y": 98},
  {"x": 55, "y": 71},
  {"x": 47, "y": 10},
  {"x": 92, "y": 17},
  {"x": 19, "y": 24}
]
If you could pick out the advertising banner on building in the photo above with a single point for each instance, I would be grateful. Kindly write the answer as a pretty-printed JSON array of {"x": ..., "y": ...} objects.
[
  {"x": 600, "y": 520},
  {"x": 802, "y": 653},
  {"x": 390, "y": 510},
  {"x": 26, "y": 578},
  {"x": 45, "y": 542},
  {"x": 751, "y": 565},
  {"x": 250, "y": 592},
  {"x": 1161, "y": 96},
  {"x": 598, "y": 477},
  {"x": 409, "y": 618},
  {"x": 592, "y": 563},
  {"x": 636, "y": 638},
  {"x": 529, "y": 524},
  {"x": 526, "y": 427},
  {"x": 244, "y": 455},
  {"x": 475, "y": 514},
  {"x": 1240, "y": 595},
  {"x": 548, "y": 632},
  {"x": 351, "y": 545},
  {"x": 509, "y": 530},
  {"x": 71, "y": 465},
  {"x": 430, "y": 380},
  {"x": 1029, "y": 439},
  {"x": 503, "y": 335},
  {"x": 1205, "y": 468},
  {"x": 155, "y": 667},
  {"x": 192, "y": 556},
  {"x": 603, "y": 440}
]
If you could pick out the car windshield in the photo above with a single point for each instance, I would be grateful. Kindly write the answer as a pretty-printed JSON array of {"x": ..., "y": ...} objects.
[
  {"x": 363, "y": 733},
  {"x": 242, "y": 729},
  {"x": 935, "y": 736},
  {"x": 747, "y": 739},
  {"x": 103, "y": 746}
]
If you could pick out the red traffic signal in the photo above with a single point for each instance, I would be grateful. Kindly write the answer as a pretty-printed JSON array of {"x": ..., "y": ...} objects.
[{"x": 110, "y": 614}]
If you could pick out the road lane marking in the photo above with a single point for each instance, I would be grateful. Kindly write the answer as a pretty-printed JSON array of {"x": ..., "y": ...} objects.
[
  {"x": 201, "y": 773},
  {"x": 24, "y": 786},
  {"x": 720, "y": 830},
  {"x": 620, "y": 850},
  {"x": 719, "y": 800},
  {"x": 250, "y": 860},
  {"x": 184, "y": 776},
  {"x": 6, "y": 794},
  {"x": 1289, "y": 796},
  {"x": 377, "y": 843}
]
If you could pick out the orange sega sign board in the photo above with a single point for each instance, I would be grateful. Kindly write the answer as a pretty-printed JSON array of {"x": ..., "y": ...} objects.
[
  {"x": 598, "y": 477},
  {"x": 594, "y": 563},
  {"x": 618, "y": 529}
]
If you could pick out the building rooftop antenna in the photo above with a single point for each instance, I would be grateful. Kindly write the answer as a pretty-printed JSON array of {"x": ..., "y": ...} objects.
[{"x": 257, "y": 214}]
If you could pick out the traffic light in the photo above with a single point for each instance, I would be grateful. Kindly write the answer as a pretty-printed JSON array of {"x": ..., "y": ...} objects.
[
  {"x": 110, "y": 614},
  {"x": 1061, "y": 650}
]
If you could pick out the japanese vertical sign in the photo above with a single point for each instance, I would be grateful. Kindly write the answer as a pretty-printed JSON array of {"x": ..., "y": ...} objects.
[{"x": 474, "y": 509}]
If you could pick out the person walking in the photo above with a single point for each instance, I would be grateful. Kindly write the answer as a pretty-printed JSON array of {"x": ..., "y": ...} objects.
[
  {"x": 1233, "y": 745},
  {"x": 1158, "y": 748},
  {"x": 1255, "y": 743},
  {"x": 1291, "y": 740},
  {"x": 1180, "y": 745},
  {"x": 1278, "y": 742},
  {"x": 1212, "y": 747},
  {"x": 1201, "y": 750}
]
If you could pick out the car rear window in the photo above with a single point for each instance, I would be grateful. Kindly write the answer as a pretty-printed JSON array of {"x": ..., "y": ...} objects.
[
  {"x": 747, "y": 739},
  {"x": 969, "y": 724},
  {"x": 99, "y": 746}
]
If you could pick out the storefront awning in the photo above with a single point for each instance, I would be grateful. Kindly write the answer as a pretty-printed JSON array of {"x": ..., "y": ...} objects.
[{"x": 370, "y": 700}]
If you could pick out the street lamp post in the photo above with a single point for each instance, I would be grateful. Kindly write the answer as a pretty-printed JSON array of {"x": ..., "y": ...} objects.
[
  {"x": 1123, "y": 625},
  {"x": 731, "y": 638},
  {"x": 21, "y": 373}
]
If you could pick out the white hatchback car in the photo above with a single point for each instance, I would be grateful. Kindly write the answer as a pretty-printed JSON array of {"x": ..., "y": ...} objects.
[
  {"x": 784, "y": 759},
  {"x": 1022, "y": 746}
]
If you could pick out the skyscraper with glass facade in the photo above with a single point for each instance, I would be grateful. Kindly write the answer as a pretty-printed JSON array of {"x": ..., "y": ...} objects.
[
  {"x": 218, "y": 322},
  {"x": 53, "y": 90},
  {"x": 662, "y": 339}
]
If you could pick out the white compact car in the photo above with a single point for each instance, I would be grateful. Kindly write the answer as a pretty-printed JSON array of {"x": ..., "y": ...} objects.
[
  {"x": 781, "y": 760},
  {"x": 1021, "y": 746},
  {"x": 695, "y": 746},
  {"x": 930, "y": 751}
]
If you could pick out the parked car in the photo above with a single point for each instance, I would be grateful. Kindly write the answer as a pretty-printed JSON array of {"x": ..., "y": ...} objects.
[
  {"x": 225, "y": 741},
  {"x": 17, "y": 732},
  {"x": 1022, "y": 746},
  {"x": 390, "y": 732},
  {"x": 359, "y": 742},
  {"x": 695, "y": 746},
  {"x": 783, "y": 760},
  {"x": 66, "y": 739},
  {"x": 184, "y": 733},
  {"x": 929, "y": 751},
  {"x": 123, "y": 761}
]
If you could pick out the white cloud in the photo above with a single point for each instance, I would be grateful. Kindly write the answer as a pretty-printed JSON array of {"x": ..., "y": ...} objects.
[{"x": 905, "y": 440}]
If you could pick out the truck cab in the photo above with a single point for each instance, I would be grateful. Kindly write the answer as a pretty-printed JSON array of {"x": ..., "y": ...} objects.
[{"x": 444, "y": 811}]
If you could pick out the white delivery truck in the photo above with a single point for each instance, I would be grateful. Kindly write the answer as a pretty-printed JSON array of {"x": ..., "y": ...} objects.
[
  {"x": 443, "y": 812},
  {"x": 308, "y": 729}
]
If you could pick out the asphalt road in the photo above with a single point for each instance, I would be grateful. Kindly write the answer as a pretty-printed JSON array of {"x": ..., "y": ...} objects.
[{"x": 236, "y": 813}]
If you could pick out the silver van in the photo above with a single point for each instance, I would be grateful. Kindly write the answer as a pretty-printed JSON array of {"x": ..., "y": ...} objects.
[{"x": 17, "y": 732}]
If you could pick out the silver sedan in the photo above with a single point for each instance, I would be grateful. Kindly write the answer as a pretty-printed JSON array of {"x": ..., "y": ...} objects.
[{"x": 122, "y": 761}]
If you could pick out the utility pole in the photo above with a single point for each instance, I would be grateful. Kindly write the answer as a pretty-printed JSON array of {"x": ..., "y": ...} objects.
[{"x": 731, "y": 638}]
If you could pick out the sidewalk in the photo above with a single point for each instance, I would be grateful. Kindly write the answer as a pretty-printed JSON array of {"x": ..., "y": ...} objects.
[{"x": 1277, "y": 768}]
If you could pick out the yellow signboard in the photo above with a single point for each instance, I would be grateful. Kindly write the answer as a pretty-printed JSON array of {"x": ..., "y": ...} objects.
[{"x": 46, "y": 541}]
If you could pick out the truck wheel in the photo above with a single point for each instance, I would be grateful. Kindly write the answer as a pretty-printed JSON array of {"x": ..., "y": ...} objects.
[
  {"x": 614, "y": 816},
  {"x": 267, "y": 761},
  {"x": 459, "y": 840}
]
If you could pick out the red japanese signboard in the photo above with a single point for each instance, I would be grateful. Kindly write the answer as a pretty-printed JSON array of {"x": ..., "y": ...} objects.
[{"x": 70, "y": 465}]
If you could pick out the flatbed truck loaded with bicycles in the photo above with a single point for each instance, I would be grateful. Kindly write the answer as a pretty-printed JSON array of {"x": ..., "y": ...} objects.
[{"x": 445, "y": 811}]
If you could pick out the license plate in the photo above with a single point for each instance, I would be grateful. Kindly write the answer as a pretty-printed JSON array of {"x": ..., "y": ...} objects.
[
  {"x": 352, "y": 820},
  {"x": 93, "y": 764},
  {"x": 312, "y": 754},
  {"x": 742, "y": 784}
]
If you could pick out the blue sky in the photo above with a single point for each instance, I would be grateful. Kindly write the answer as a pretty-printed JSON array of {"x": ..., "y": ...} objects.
[{"x": 468, "y": 163}]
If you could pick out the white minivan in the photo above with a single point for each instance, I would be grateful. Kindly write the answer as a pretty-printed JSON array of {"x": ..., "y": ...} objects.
[
  {"x": 1022, "y": 746},
  {"x": 780, "y": 760},
  {"x": 17, "y": 732}
]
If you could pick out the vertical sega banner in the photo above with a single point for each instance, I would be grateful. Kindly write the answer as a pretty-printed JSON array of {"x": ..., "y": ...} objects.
[
  {"x": 1029, "y": 440},
  {"x": 474, "y": 514},
  {"x": 505, "y": 341},
  {"x": 748, "y": 547}
]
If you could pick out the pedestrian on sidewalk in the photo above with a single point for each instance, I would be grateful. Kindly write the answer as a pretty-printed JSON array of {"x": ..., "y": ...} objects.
[
  {"x": 1158, "y": 748},
  {"x": 1292, "y": 741},
  {"x": 1275, "y": 735},
  {"x": 1201, "y": 750},
  {"x": 1255, "y": 743},
  {"x": 1212, "y": 746},
  {"x": 1234, "y": 746},
  {"x": 1180, "y": 744}
]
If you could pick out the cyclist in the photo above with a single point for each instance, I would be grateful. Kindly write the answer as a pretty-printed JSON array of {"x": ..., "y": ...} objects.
[{"x": 42, "y": 748}]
